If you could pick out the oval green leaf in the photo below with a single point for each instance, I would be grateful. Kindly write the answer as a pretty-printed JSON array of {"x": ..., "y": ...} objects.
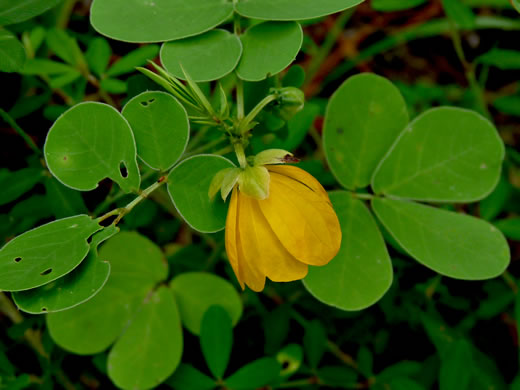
[
  {"x": 254, "y": 375},
  {"x": 218, "y": 47},
  {"x": 77, "y": 287},
  {"x": 46, "y": 253},
  {"x": 188, "y": 186},
  {"x": 455, "y": 245},
  {"x": 157, "y": 20},
  {"x": 361, "y": 272},
  {"x": 268, "y": 49},
  {"x": 90, "y": 142},
  {"x": 15, "y": 12},
  {"x": 363, "y": 119},
  {"x": 196, "y": 292},
  {"x": 137, "y": 264},
  {"x": 216, "y": 339},
  {"x": 161, "y": 128},
  {"x": 12, "y": 53},
  {"x": 445, "y": 155},
  {"x": 291, "y": 9},
  {"x": 150, "y": 348}
]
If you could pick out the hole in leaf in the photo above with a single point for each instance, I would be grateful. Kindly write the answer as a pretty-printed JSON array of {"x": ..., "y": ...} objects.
[
  {"x": 46, "y": 272},
  {"x": 147, "y": 103},
  {"x": 44, "y": 309},
  {"x": 285, "y": 365},
  {"x": 123, "y": 170},
  {"x": 105, "y": 223},
  {"x": 17, "y": 259}
]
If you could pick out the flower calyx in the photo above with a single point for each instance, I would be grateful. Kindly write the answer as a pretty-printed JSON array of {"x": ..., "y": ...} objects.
[
  {"x": 289, "y": 101},
  {"x": 253, "y": 179}
]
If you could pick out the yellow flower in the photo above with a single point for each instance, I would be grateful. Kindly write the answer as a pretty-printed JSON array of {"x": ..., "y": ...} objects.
[{"x": 279, "y": 236}]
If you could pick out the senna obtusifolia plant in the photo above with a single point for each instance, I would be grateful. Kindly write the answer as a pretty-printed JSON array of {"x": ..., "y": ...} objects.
[{"x": 209, "y": 147}]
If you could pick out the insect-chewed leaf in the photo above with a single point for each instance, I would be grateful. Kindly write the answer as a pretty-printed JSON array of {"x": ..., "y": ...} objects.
[
  {"x": 46, "y": 253},
  {"x": 188, "y": 186},
  {"x": 364, "y": 118},
  {"x": 291, "y": 9},
  {"x": 268, "y": 49},
  {"x": 157, "y": 20},
  {"x": 150, "y": 348},
  {"x": 361, "y": 272},
  {"x": 137, "y": 265},
  {"x": 76, "y": 287},
  {"x": 196, "y": 292},
  {"x": 455, "y": 245},
  {"x": 445, "y": 155},
  {"x": 90, "y": 142},
  {"x": 218, "y": 47},
  {"x": 161, "y": 128}
]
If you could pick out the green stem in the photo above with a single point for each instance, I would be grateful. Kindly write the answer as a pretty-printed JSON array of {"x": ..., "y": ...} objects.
[
  {"x": 241, "y": 156},
  {"x": 64, "y": 16},
  {"x": 469, "y": 70},
  {"x": 327, "y": 45},
  {"x": 358, "y": 195},
  {"x": 142, "y": 196},
  {"x": 240, "y": 99},
  {"x": 28, "y": 140},
  {"x": 122, "y": 211},
  {"x": 244, "y": 123}
]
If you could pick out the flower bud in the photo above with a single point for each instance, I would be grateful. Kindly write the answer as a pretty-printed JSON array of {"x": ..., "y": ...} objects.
[{"x": 290, "y": 101}]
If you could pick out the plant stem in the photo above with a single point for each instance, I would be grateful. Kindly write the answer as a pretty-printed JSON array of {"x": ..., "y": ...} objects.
[
  {"x": 28, "y": 140},
  {"x": 469, "y": 70},
  {"x": 358, "y": 195},
  {"x": 122, "y": 211},
  {"x": 241, "y": 156},
  {"x": 240, "y": 99},
  {"x": 244, "y": 123}
]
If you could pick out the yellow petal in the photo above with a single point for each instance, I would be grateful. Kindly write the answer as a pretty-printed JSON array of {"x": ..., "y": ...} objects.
[
  {"x": 301, "y": 176},
  {"x": 261, "y": 248},
  {"x": 303, "y": 219},
  {"x": 232, "y": 237}
]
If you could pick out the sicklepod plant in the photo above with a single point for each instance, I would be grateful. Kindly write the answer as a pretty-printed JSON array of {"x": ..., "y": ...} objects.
[{"x": 235, "y": 137}]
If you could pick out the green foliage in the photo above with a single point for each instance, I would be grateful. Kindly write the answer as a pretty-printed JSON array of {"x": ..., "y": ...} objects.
[
  {"x": 78, "y": 286},
  {"x": 455, "y": 245},
  {"x": 12, "y": 53},
  {"x": 136, "y": 259},
  {"x": 217, "y": 47},
  {"x": 25, "y": 9},
  {"x": 188, "y": 185},
  {"x": 160, "y": 20},
  {"x": 35, "y": 258},
  {"x": 90, "y": 142},
  {"x": 196, "y": 292},
  {"x": 268, "y": 49},
  {"x": 291, "y": 9},
  {"x": 365, "y": 108},
  {"x": 362, "y": 271},
  {"x": 430, "y": 162},
  {"x": 151, "y": 115}
]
